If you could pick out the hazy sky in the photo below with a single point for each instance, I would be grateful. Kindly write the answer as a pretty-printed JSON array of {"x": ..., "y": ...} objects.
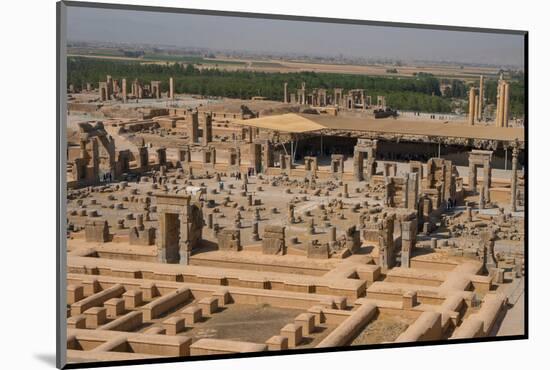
[{"x": 232, "y": 33}]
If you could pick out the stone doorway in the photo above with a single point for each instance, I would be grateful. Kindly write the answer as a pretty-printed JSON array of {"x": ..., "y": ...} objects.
[{"x": 172, "y": 235}]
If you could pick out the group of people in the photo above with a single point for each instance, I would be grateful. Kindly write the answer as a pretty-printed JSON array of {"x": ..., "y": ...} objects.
[
  {"x": 106, "y": 177},
  {"x": 451, "y": 203}
]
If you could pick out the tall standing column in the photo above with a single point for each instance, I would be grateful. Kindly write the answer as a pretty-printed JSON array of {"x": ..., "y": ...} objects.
[
  {"x": 285, "y": 93},
  {"x": 500, "y": 105},
  {"x": 481, "y": 92},
  {"x": 207, "y": 129},
  {"x": 124, "y": 93},
  {"x": 193, "y": 127},
  {"x": 513, "y": 195},
  {"x": 506, "y": 105},
  {"x": 109, "y": 86},
  {"x": 172, "y": 88},
  {"x": 471, "y": 106},
  {"x": 476, "y": 108}
]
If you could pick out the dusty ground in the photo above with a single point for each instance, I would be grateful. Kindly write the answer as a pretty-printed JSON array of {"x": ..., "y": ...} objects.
[
  {"x": 249, "y": 323},
  {"x": 384, "y": 328}
]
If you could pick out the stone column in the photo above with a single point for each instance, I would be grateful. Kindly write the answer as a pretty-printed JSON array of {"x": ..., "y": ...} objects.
[
  {"x": 161, "y": 240},
  {"x": 109, "y": 87},
  {"x": 207, "y": 129},
  {"x": 332, "y": 235},
  {"x": 139, "y": 222},
  {"x": 285, "y": 93},
  {"x": 255, "y": 235},
  {"x": 291, "y": 214},
  {"x": 124, "y": 93},
  {"x": 267, "y": 160},
  {"x": 501, "y": 108},
  {"x": 193, "y": 128},
  {"x": 472, "y": 177},
  {"x": 358, "y": 165},
  {"x": 471, "y": 106},
  {"x": 513, "y": 195},
  {"x": 311, "y": 226},
  {"x": 506, "y": 105},
  {"x": 476, "y": 108},
  {"x": 500, "y": 105},
  {"x": 184, "y": 244},
  {"x": 172, "y": 88},
  {"x": 487, "y": 180},
  {"x": 480, "y": 98}
]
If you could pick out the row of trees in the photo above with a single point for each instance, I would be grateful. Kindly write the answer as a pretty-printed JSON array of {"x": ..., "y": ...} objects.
[{"x": 421, "y": 93}]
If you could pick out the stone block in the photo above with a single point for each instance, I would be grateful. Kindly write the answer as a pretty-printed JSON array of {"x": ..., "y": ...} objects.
[
  {"x": 293, "y": 333},
  {"x": 192, "y": 314},
  {"x": 173, "y": 325},
  {"x": 223, "y": 297},
  {"x": 307, "y": 322},
  {"x": 319, "y": 251},
  {"x": 133, "y": 298},
  {"x": 277, "y": 343},
  {"x": 409, "y": 300},
  {"x": 95, "y": 316},
  {"x": 74, "y": 293},
  {"x": 96, "y": 231},
  {"x": 114, "y": 306},
  {"x": 209, "y": 305},
  {"x": 76, "y": 322}
]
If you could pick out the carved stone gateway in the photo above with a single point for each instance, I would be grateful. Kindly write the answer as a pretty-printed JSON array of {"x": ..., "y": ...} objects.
[
  {"x": 229, "y": 240},
  {"x": 368, "y": 147},
  {"x": 267, "y": 156},
  {"x": 273, "y": 241},
  {"x": 337, "y": 166},
  {"x": 441, "y": 174},
  {"x": 234, "y": 164},
  {"x": 480, "y": 158},
  {"x": 180, "y": 227},
  {"x": 155, "y": 89},
  {"x": 209, "y": 158}
]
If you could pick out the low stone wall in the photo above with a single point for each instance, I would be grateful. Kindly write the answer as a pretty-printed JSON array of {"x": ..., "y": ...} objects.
[
  {"x": 351, "y": 288},
  {"x": 144, "y": 344},
  {"x": 426, "y": 327},
  {"x": 482, "y": 322},
  {"x": 238, "y": 295},
  {"x": 128, "y": 322},
  {"x": 97, "y": 299},
  {"x": 350, "y": 328},
  {"x": 220, "y": 346},
  {"x": 165, "y": 303}
]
